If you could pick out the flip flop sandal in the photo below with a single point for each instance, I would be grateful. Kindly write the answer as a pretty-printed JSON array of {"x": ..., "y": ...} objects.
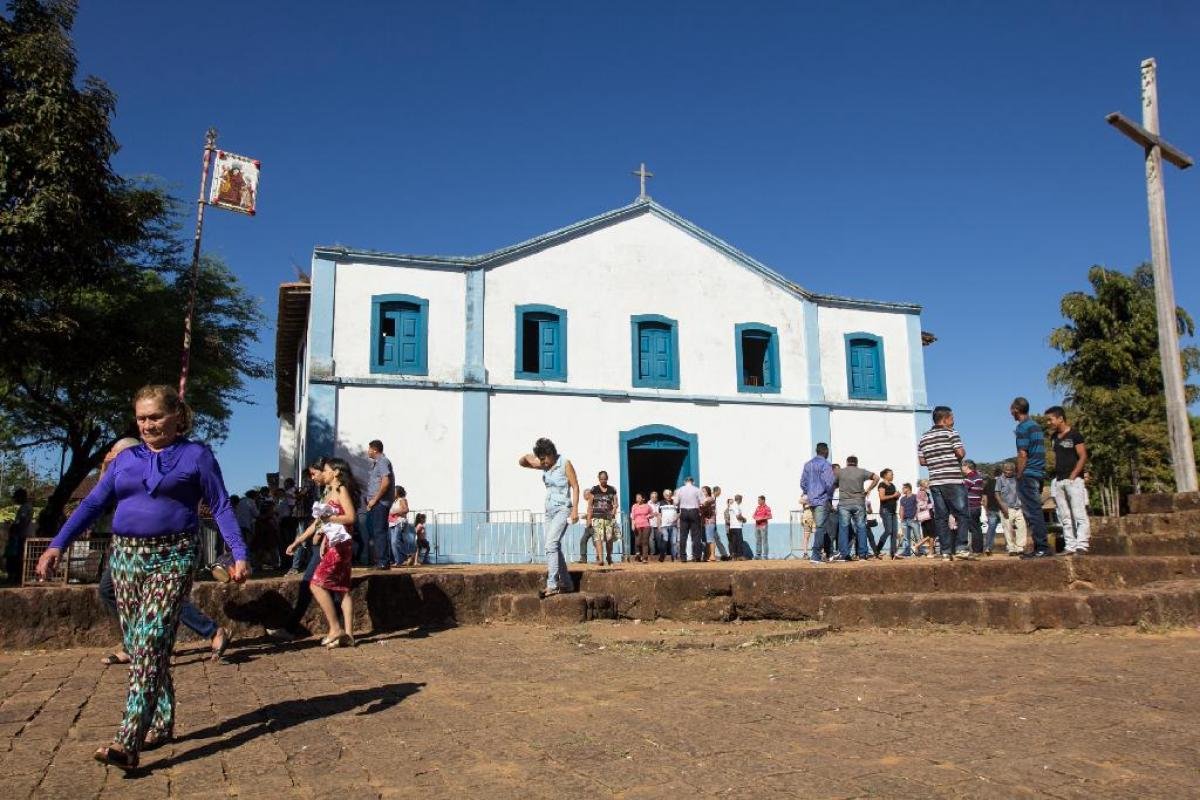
[
  {"x": 156, "y": 737},
  {"x": 112, "y": 659}
]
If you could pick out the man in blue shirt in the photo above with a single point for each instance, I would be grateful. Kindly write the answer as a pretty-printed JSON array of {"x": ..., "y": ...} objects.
[
  {"x": 817, "y": 481},
  {"x": 1031, "y": 470}
]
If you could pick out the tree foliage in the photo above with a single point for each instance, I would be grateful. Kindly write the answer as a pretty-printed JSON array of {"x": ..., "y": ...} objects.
[
  {"x": 1112, "y": 379},
  {"x": 93, "y": 287}
]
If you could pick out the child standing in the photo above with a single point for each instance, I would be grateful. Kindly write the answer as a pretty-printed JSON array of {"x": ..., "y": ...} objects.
[
  {"x": 399, "y": 535},
  {"x": 420, "y": 552},
  {"x": 762, "y": 516}
]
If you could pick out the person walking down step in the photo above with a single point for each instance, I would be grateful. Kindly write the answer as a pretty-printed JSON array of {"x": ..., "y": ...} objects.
[{"x": 562, "y": 509}]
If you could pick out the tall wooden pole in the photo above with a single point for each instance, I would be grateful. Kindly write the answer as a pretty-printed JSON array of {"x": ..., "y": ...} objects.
[
  {"x": 1179, "y": 429},
  {"x": 210, "y": 147}
]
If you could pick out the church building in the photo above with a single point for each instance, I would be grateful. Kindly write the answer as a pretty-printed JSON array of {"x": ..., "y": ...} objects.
[{"x": 638, "y": 342}]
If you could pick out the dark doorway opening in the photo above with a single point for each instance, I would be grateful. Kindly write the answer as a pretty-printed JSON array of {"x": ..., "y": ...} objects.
[
  {"x": 530, "y": 355},
  {"x": 654, "y": 470}
]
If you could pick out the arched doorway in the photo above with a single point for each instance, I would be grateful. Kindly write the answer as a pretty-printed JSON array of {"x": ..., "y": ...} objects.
[{"x": 656, "y": 457}]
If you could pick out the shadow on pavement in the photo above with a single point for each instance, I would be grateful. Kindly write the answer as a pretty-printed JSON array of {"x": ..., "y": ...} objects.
[{"x": 276, "y": 717}]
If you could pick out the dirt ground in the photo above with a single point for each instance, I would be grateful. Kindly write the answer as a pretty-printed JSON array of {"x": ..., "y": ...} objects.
[{"x": 633, "y": 711}]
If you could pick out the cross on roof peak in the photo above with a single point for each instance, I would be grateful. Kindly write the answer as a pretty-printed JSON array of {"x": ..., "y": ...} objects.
[{"x": 642, "y": 174}]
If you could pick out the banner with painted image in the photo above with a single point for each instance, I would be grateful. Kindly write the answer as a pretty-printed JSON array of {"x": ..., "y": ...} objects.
[{"x": 234, "y": 182}]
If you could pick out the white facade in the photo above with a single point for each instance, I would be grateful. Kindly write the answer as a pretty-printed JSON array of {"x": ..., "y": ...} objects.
[{"x": 456, "y": 418}]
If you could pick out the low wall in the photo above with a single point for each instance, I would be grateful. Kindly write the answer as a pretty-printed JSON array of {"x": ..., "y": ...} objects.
[{"x": 35, "y": 617}]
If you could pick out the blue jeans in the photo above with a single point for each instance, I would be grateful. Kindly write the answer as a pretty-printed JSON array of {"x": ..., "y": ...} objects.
[
  {"x": 301, "y": 557},
  {"x": 711, "y": 536},
  {"x": 950, "y": 499},
  {"x": 858, "y": 516},
  {"x": 993, "y": 522},
  {"x": 1030, "y": 490},
  {"x": 662, "y": 541},
  {"x": 557, "y": 574},
  {"x": 403, "y": 541},
  {"x": 889, "y": 530},
  {"x": 912, "y": 534},
  {"x": 375, "y": 532},
  {"x": 671, "y": 534},
  {"x": 820, "y": 515}
]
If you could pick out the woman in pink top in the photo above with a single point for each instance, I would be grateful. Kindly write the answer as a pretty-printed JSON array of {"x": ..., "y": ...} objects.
[{"x": 640, "y": 514}]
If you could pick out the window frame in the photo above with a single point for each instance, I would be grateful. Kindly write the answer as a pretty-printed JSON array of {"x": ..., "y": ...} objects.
[
  {"x": 540, "y": 308},
  {"x": 772, "y": 357},
  {"x": 635, "y": 323},
  {"x": 879, "y": 392},
  {"x": 378, "y": 302}
]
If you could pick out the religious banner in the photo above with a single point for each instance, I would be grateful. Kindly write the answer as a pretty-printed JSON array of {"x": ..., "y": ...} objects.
[{"x": 234, "y": 183}]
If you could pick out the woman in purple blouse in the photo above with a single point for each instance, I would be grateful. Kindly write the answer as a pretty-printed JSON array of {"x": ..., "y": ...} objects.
[{"x": 157, "y": 487}]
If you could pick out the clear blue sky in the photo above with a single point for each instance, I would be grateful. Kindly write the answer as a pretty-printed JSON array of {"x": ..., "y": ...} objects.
[{"x": 954, "y": 153}]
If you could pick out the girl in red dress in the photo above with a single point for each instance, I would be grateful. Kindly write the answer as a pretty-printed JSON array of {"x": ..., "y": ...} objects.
[{"x": 337, "y": 550}]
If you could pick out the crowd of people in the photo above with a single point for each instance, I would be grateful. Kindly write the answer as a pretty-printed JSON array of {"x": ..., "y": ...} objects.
[{"x": 955, "y": 513}]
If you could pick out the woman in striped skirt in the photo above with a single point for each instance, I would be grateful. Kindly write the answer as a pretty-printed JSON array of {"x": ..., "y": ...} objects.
[{"x": 157, "y": 487}]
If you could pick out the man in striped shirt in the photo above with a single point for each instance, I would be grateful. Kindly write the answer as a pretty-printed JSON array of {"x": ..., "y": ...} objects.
[{"x": 941, "y": 451}]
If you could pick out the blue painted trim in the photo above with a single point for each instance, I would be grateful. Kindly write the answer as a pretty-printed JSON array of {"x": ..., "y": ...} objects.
[
  {"x": 689, "y": 441},
  {"x": 672, "y": 382},
  {"x": 320, "y": 317},
  {"x": 476, "y": 411},
  {"x": 400, "y": 382},
  {"x": 320, "y": 425},
  {"x": 879, "y": 392},
  {"x": 474, "y": 369},
  {"x": 916, "y": 361},
  {"x": 772, "y": 334},
  {"x": 537, "y": 308},
  {"x": 819, "y": 428},
  {"x": 584, "y": 227},
  {"x": 812, "y": 352},
  {"x": 922, "y": 421},
  {"x": 422, "y": 365}
]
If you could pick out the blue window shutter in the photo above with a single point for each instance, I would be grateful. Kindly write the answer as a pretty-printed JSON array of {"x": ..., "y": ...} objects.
[
  {"x": 548, "y": 331},
  {"x": 644, "y": 354},
  {"x": 399, "y": 333},
  {"x": 768, "y": 367},
  {"x": 662, "y": 354},
  {"x": 655, "y": 351},
  {"x": 864, "y": 366}
]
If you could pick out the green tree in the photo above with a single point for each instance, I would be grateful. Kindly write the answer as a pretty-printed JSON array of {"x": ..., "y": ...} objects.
[
  {"x": 92, "y": 284},
  {"x": 1112, "y": 380}
]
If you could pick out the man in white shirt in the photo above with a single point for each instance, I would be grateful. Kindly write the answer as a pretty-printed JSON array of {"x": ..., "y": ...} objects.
[
  {"x": 688, "y": 497},
  {"x": 734, "y": 520}
]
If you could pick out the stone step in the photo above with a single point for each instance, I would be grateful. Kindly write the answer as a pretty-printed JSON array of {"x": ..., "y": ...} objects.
[
  {"x": 560, "y": 609},
  {"x": 1163, "y": 603},
  {"x": 1163, "y": 503},
  {"x": 1177, "y": 544}
]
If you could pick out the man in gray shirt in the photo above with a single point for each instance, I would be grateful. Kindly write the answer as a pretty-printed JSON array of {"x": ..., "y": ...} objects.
[
  {"x": 852, "y": 508},
  {"x": 376, "y": 502},
  {"x": 1010, "y": 510}
]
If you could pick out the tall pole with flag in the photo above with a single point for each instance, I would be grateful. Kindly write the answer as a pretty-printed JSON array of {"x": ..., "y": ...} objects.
[{"x": 234, "y": 187}]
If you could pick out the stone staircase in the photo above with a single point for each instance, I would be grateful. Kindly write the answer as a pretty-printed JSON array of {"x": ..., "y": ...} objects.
[{"x": 1158, "y": 524}]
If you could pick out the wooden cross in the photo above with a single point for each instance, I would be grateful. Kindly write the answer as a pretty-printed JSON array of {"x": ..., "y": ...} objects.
[
  {"x": 642, "y": 175},
  {"x": 1178, "y": 426}
]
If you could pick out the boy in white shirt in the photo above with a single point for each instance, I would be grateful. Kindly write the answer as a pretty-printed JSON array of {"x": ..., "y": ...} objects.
[{"x": 734, "y": 520}]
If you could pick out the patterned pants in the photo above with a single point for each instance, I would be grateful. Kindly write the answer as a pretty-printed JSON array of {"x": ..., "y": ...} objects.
[{"x": 152, "y": 577}]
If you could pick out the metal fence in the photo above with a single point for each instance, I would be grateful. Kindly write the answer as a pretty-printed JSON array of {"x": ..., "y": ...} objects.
[
  {"x": 82, "y": 561},
  {"x": 484, "y": 537},
  {"x": 798, "y": 538}
]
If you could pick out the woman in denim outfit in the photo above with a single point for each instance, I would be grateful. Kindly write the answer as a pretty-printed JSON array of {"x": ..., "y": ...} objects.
[{"x": 562, "y": 509}]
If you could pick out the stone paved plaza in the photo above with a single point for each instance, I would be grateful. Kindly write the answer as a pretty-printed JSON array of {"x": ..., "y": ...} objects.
[{"x": 633, "y": 710}]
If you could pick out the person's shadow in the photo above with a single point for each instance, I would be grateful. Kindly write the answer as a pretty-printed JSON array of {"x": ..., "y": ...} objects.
[{"x": 276, "y": 717}]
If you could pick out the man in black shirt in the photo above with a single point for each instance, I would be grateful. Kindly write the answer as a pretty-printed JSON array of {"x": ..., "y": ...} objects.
[{"x": 1068, "y": 489}]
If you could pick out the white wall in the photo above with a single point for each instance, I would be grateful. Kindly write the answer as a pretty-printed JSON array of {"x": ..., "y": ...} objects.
[
  {"x": 421, "y": 431},
  {"x": 445, "y": 291},
  {"x": 892, "y": 327},
  {"x": 880, "y": 439},
  {"x": 643, "y": 265},
  {"x": 744, "y": 449}
]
